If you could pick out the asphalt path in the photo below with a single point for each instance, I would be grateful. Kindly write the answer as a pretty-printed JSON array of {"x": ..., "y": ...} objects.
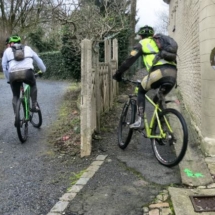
[
  {"x": 32, "y": 176},
  {"x": 128, "y": 179}
]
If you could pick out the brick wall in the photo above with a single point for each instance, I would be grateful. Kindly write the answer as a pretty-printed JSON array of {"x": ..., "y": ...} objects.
[
  {"x": 192, "y": 25},
  {"x": 184, "y": 18}
]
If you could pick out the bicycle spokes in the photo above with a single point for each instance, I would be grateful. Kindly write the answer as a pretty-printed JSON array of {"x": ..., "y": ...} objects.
[{"x": 170, "y": 149}]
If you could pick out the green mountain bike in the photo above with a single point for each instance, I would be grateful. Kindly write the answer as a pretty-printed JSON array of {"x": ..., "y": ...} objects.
[
  {"x": 24, "y": 114},
  {"x": 166, "y": 129}
]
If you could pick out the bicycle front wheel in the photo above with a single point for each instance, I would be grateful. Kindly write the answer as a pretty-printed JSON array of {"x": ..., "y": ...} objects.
[
  {"x": 20, "y": 121},
  {"x": 127, "y": 117},
  {"x": 36, "y": 118},
  {"x": 170, "y": 150}
]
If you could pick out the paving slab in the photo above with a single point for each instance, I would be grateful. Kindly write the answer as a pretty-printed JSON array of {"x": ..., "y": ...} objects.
[
  {"x": 211, "y": 164},
  {"x": 194, "y": 170},
  {"x": 195, "y": 173},
  {"x": 181, "y": 200}
]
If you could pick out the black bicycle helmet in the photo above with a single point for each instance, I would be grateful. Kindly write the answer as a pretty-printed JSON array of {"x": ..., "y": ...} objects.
[
  {"x": 146, "y": 31},
  {"x": 15, "y": 39},
  {"x": 7, "y": 41}
]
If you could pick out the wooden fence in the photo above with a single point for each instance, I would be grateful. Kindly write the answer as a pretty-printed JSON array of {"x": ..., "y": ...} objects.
[{"x": 98, "y": 89}]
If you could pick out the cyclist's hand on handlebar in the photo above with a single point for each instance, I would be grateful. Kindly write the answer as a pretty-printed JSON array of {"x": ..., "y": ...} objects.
[
  {"x": 40, "y": 73},
  {"x": 117, "y": 77}
]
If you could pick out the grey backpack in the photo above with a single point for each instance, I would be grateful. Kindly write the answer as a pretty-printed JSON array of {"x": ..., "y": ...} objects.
[
  {"x": 168, "y": 48},
  {"x": 18, "y": 51}
]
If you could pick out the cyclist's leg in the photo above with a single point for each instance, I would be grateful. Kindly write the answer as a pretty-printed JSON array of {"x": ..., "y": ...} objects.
[
  {"x": 140, "y": 107},
  {"x": 143, "y": 89},
  {"x": 30, "y": 79},
  {"x": 165, "y": 74},
  {"x": 15, "y": 87}
]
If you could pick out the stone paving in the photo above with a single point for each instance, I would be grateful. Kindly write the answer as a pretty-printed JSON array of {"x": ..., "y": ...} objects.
[{"x": 159, "y": 206}]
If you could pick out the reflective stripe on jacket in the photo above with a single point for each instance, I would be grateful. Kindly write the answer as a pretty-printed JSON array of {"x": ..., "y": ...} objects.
[{"x": 149, "y": 46}]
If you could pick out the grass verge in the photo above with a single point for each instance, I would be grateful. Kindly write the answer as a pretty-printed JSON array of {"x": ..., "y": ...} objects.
[
  {"x": 65, "y": 132},
  {"x": 1, "y": 75}
]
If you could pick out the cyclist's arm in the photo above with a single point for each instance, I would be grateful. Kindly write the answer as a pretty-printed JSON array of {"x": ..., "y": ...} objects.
[
  {"x": 39, "y": 61},
  {"x": 5, "y": 66},
  {"x": 134, "y": 55}
]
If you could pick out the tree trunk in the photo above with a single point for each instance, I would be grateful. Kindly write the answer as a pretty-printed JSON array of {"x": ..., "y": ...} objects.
[{"x": 133, "y": 21}]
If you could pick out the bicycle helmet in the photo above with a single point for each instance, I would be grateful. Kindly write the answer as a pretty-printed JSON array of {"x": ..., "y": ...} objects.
[
  {"x": 15, "y": 39},
  {"x": 146, "y": 31},
  {"x": 7, "y": 41}
]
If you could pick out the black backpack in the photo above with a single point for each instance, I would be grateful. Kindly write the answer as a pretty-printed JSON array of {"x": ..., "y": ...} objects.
[{"x": 167, "y": 46}]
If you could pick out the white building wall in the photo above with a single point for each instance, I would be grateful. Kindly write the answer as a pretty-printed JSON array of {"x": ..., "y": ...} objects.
[{"x": 193, "y": 21}]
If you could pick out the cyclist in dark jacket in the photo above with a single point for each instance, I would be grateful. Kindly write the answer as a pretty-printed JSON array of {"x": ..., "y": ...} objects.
[{"x": 161, "y": 72}]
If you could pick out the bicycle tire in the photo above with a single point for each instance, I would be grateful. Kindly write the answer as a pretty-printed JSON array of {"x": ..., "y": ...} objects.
[
  {"x": 171, "y": 150},
  {"x": 127, "y": 117},
  {"x": 20, "y": 121},
  {"x": 36, "y": 118}
]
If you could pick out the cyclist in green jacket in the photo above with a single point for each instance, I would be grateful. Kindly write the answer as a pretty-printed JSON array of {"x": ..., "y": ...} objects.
[{"x": 161, "y": 72}]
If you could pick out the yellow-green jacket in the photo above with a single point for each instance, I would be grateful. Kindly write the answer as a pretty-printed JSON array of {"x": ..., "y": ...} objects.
[
  {"x": 149, "y": 46},
  {"x": 143, "y": 48}
]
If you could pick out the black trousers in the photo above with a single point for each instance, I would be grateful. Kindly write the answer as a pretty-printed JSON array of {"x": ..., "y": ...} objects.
[{"x": 16, "y": 79}]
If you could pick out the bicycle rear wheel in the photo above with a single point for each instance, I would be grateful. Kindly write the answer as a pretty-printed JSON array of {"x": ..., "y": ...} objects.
[
  {"x": 170, "y": 151},
  {"x": 36, "y": 118},
  {"x": 127, "y": 117},
  {"x": 20, "y": 121}
]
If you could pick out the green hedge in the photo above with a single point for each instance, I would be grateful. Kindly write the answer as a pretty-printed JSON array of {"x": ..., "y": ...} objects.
[
  {"x": 65, "y": 64},
  {"x": 54, "y": 62}
]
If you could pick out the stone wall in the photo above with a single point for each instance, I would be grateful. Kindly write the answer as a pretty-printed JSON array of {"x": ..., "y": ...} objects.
[{"x": 192, "y": 25}]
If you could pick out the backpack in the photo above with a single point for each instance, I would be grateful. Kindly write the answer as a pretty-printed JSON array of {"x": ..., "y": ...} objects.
[
  {"x": 18, "y": 51},
  {"x": 167, "y": 48}
]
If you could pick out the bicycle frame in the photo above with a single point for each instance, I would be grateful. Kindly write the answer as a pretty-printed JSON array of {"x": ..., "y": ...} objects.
[
  {"x": 25, "y": 90},
  {"x": 149, "y": 126}
]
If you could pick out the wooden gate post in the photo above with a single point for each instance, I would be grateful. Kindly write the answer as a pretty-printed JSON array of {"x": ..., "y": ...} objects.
[{"x": 86, "y": 85}]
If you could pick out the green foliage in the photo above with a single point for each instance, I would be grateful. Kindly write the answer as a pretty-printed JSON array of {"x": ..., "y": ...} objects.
[
  {"x": 36, "y": 41},
  {"x": 71, "y": 59},
  {"x": 54, "y": 65},
  {"x": 123, "y": 44},
  {"x": 124, "y": 50}
]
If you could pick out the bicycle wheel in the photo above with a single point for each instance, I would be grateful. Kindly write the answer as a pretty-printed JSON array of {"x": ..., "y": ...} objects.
[
  {"x": 20, "y": 121},
  {"x": 170, "y": 151},
  {"x": 127, "y": 117},
  {"x": 36, "y": 118}
]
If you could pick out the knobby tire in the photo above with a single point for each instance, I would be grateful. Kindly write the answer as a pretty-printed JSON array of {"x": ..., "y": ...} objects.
[
  {"x": 36, "y": 118},
  {"x": 127, "y": 117},
  {"x": 20, "y": 121},
  {"x": 170, "y": 152}
]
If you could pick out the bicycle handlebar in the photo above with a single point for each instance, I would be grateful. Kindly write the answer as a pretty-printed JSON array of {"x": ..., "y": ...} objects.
[{"x": 39, "y": 73}]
